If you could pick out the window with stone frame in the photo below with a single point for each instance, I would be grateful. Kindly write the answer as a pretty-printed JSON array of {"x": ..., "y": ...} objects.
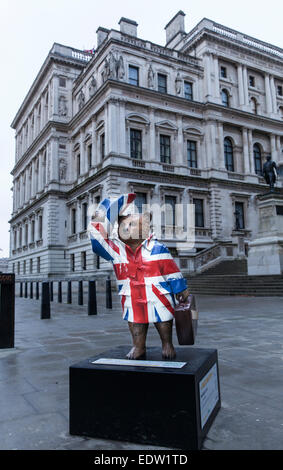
[
  {"x": 72, "y": 260},
  {"x": 257, "y": 159},
  {"x": 38, "y": 264},
  {"x": 170, "y": 210},
  {"x": 84, "y": 216},
  {"x": 89, "y": 155},
  {"x": 223, "y": 72},
  {"x": 102, "y": 146},
  {"x": 133, "y": 75},
  {"x": 73, "y": 221},
  {"x": 83, "y": 260},
  {"x": 188, "y": 90},
  {"x": 140, "y": 201},
  {"x": 254, "y": 105},
  {"x": 165, "y": 148},
  {"x": 30, "y": 266},
  {"x": 228, "y": 154},
  {"x": 136, "y": 143},
  {"x": 78, "y": 162},
  {"x": 239, "y": 215},
  {"x": 225, "y": 98},
  {"x": 40, "y": 227},
  {"x": 199, "y": 212},
  {"x": 279, "y": 90},
  {"x": 192, "y": 153},
  {"x": 162, "y": 82}
]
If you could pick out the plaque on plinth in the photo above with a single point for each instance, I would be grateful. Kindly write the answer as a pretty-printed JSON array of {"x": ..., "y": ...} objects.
[{"x": 157, "y": 402}]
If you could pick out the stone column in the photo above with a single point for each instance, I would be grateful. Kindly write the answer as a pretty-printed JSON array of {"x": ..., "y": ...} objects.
[
  {"x": 33, "y": 179},
  {"x": 207, "y": 76},
  {"x": 112, "y": 126},
  {"x": 247, "y": 168},
  {"x": 216, "y": 79},
  {"x": 54, "y": 170},
  {"x": 122, "y": 128},
  {"x": 42, "y": 104},
  {"x": 273, "y": 95},
  {"x": 278, "y": 147},
  {"x": 245, "y": 86},
  {"x": 213, "y": 143},
  {"x": 240, "y": 85},
  {"x": 180, "y": 142},
  {"x": 39, "y": 184},
  {"x": 82, "y": 152},
  {"x": 268, "y": 94},
  {"x": 93, "y": 141},
  {"x": 274, "y": 154},
  {"x": 152, "y": 150},
  {"x": 221, "y": 162}
]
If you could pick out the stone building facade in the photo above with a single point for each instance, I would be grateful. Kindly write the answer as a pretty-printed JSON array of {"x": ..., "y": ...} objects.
[{"x": 190, "y": 122}]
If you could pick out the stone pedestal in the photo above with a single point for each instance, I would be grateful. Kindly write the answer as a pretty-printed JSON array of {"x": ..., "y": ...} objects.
[
  {"x": 149, "y": 402},
  {"x": 266, "y": 250}
]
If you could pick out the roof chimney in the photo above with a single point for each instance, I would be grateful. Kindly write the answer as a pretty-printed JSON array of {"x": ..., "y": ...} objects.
[
  {"x": 128, "y": 26},
  {"x": 175, "y": 27}
]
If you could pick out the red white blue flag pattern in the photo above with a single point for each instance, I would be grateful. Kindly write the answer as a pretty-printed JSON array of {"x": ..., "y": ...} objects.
[{"x": 148, "y": 278}]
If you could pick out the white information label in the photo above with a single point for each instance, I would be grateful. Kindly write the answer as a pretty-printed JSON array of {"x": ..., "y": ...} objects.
[
  {"x": 132, "y": 362},
  {"x": 209, "y": 394}
]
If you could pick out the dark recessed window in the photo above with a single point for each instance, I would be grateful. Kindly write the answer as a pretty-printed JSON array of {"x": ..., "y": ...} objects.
[
  {"x": 199, "y": 215},
  {"x": 254, "y": 105},
  {"x": 83, "y": 260},
  {"x": 62, "y": 82},
  {"x": 89, "y": 155},
  {"x": 165, "y": 150},
  {"x": 84, "y": 216},
  {"x": 72, "y": 261},
  {"x": 188, "y": 90},
  {"x": 133, "y": 75},
  {"x": 192, "y": 153},
  {"x": 102, "y": 146},
  {"x": 239, "y": 216},
  {"x": 223, "y": 72},
  {"x": 73, "y": 221},
  {"x": 170, "y": 203},
  {"x": 225, "y": 98},
  {"x": 136, "y": 143},
  {"x": 162, "y": 83},
  {"x": 140, "y": 201},
  {"x": 228, "y": 153},
  {"x": 280, "y": 90},
  {"x": 251, "y": 80},
  {"x": 257, "y": 160},
  {"x": 78, "y": 165}
]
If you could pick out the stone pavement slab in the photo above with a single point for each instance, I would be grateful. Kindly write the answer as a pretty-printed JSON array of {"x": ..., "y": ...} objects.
[{"x": 34, "y": 376}]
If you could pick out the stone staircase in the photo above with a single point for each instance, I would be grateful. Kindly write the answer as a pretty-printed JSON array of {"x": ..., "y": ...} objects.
[
  {"x": 236, "y": 284},
  {"x": 233, "y": 266}
]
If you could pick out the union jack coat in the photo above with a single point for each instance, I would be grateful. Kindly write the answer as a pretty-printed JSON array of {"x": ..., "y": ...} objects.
[{"x": 148, "y": 278}]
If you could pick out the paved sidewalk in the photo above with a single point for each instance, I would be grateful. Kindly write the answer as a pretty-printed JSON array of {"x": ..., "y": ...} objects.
[{"x": 246, "y": 331}]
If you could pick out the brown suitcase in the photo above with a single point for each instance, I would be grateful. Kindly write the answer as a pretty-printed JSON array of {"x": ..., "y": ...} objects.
[{"x": 186, "y": 319}]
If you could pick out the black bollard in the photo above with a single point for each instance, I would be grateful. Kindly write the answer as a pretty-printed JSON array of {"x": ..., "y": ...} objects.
[
  {"x": 37, "y": 290},
  {"x": 92, "y": 304},
  {"x": 31, "y": 290},
  {"x": 80, "y": 293},
  {"x": 21, "y": 289},
  {"x": 51, "y": 291},
  {"x": 45, "y": 301},
  {"x": 59, "y": 291},
  {"x": 69, "y": 292},
  {"x": 108, "y": 293},
  {"x": 26, "y": 290}
]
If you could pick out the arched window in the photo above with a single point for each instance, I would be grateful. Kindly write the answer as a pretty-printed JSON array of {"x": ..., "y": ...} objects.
[
  {"x": 254, "y": 105},
  {"x": 225, "y": 98},
  {"x": 228, "y": 153},
  {"x": 257, "y": 159}
]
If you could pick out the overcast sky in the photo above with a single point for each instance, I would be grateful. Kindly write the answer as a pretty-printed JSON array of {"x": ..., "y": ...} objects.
[{"x": 29, "y": 28}]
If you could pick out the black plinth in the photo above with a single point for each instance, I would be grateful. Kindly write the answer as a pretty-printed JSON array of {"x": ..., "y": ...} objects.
[
  {"x": 150, "y": 405},
  {"x": 7, "y": 310}
]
